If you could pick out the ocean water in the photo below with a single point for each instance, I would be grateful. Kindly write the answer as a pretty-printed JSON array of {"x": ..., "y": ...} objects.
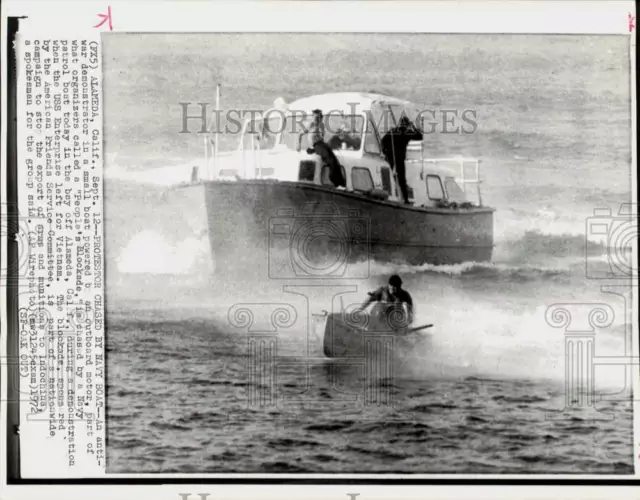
[{"x": 484, "y": 391}]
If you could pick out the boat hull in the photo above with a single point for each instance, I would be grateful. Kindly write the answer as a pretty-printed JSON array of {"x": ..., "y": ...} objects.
[
  {"x": 360, "y": 336},
  {"x": 280, "y": 230}
]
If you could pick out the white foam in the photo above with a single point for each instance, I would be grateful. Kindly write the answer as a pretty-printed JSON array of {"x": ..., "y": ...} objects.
[
  {"x": 149, "y": 252},
  {"x": 479, "y": 339}
]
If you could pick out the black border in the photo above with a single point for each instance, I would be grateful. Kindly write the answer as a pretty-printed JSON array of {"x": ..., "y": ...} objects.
[
  {"x": 330, "y": 482},
  {"x": 13, "y": 375}
]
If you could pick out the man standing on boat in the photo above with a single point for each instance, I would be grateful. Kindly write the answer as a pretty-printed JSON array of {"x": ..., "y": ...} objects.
[
  {"x": 390, "y": 301},
  {"x": 323, "y": 150},
  {"x": 394, "y": 147}
]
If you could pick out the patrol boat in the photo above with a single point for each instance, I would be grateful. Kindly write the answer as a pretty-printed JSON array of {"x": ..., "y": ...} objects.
[{"x": 271, "y": 211}]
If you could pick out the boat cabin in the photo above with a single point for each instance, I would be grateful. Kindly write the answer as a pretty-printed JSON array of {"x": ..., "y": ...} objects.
[{"x": 276, "y": 146}]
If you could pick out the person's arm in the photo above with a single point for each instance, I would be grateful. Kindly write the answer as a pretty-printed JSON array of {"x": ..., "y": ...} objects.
[
  {"x": 415, "y": 134},
  {"x": 410, "y": 308},
  {"x": 374, "y": 296}
]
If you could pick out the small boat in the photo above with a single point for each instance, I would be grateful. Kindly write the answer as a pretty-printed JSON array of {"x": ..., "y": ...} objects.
[{"x": 364, "y": 335}]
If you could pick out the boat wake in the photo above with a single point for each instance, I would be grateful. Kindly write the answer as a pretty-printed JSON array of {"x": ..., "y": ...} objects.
[
  {"x": 485, "y": 330},
  {"x": 151, "y": 252},
  {"x": 489, "y": 343},
  {"x": 533, "y": 256}
]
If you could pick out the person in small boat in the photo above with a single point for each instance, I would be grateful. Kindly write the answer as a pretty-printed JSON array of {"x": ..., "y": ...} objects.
[
  {"x": 391, "y": 299},
  {"x": 323, "y": 150},
  {"x": 394, "y": 147}
]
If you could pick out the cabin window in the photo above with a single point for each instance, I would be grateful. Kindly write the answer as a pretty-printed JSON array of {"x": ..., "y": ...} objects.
[
  {"x": 268, "y": 140},
  {"x": 291, "y": 141},
  {"x": 454, "y": 191},
  {"x": 261, "y": 135},
  {"x": 361, "y": 179},
  {"x": 307, "y": 170},
  {"x": 343, "y": 131},
  {"x": 434, "y": 187},
  {"x": 324, "y": 175},
  {"x": 292, "y": 134},
  {"x": 250, "y": 141},
  {"x": 371, "y": 144},
  {"x": 385, "y": 173}
]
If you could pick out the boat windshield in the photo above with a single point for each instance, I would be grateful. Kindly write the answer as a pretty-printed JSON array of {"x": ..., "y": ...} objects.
[
  {"x": 454, "y": 191},
  {"x": 261, "y": 133},
  {"x": 340, "y": 132}
]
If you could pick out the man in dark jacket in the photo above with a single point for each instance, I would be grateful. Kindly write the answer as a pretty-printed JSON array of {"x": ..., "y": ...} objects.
[
  {"x": 394, "y": 147},
  {"x": 323, "y": 150},
  {"x": 391, "y": 299}
]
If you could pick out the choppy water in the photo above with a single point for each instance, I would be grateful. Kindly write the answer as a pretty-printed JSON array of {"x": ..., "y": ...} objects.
[{"x": 477, "y": 394}]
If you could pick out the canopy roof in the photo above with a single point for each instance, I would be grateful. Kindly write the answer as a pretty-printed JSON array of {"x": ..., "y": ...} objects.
[{"x": 359, "y": 102}]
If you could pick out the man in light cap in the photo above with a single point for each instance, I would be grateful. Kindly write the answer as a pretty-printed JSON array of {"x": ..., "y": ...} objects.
[
  {"x": 323, "y": 150},
  {"x": 389, "y": 299}
]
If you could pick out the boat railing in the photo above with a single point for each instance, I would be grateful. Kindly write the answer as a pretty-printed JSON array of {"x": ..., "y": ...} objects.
[
  {"x": 466, "y": 176},
  {"x": 243, "y": 163}
]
